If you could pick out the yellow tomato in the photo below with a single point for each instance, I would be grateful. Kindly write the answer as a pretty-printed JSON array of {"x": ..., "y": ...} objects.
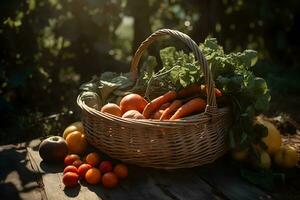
[
  {"x": 286, "y": 157},
  {"x": 76, "y": 126},
  {"x": 273, "y": 139},
  {"x": 265, "y": 160},
  {"x": 76, "y": 142}
]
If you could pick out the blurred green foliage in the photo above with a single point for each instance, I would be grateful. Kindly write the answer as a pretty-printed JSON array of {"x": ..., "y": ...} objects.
[{"x": 50, "y": 47}]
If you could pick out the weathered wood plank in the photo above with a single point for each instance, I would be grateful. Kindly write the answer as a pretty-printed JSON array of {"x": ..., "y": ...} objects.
[
  {"x": 18, "y": 180},
  {"x": 183, "y": 184},
  {"x": 226, "y": 180}
]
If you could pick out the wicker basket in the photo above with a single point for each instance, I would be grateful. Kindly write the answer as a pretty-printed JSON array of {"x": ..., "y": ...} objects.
[{"x": 184, "y": 143}]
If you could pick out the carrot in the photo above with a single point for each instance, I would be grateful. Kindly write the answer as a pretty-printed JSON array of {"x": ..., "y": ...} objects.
[
  {"x": 157, "y": 114},
  {"x": 170, "y": 110},
  {"x": 189, "y": 91},
  {"x": 204, "y": 89},
  {"x": 155, "y": 104},
  {"x": 165, "y": 105},
  {"x": 195, "y": 89},
  {"x": 192, "y": 106}
]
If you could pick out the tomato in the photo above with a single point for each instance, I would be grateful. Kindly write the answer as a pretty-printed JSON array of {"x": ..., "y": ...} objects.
[
  {"x": 82, "y": 169},
  {"x": 110, "y": 180},
  {"x": 69, "y": 159},
  {"x": 93, "y": 176},
  {"x": 121, "y": 170},
  {"x": 76, "y": 126},
  {"x": 105, "y": 166},
  {"x": 70, "y": 179},
  {"x": 264, "y": 161},
  {"x": 273, "y": 139},
  {"x": 77, "y": 163},
  {"x": 76, "y": 142},
  {"x": 133, "y": 102},
  {"x": 70, "y": 168},
  {"x": 286, "y": 157}
]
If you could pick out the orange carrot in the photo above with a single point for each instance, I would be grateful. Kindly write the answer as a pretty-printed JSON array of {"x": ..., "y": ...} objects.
[
  {"x": 170, "y": 110},
  {"x": 204, "y": 89},
  {"x": 195, "y": 89},
  {"x": 165, "y": 105},
  {"x": 189, "y": 91},
  {"x": 157, "y": 114},
  {"x": 192, "y": 106},
  {"x": 155, "y": 104}
]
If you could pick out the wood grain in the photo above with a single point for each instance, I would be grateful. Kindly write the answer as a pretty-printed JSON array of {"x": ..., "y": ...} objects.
[{"x": 226, "y": 180}]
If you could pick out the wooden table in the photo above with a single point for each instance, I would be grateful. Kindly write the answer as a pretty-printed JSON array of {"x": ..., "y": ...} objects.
[{"x": 25, "y": 176}]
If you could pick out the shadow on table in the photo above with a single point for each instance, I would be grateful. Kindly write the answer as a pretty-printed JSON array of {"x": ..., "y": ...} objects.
[
  {"x": 51, "y": 168},
  {"x": 97, "y": 189},
  {"x": 15, "y": 176},
  {"x": 9, "y": 191},
  {"x": 72, "y": 192}
]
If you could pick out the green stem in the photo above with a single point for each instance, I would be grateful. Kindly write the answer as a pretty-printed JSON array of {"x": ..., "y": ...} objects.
[{"x": 158, "y": 74}]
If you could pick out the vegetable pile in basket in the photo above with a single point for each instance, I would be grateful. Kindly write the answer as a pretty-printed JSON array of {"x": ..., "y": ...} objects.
[
  {"x": 168, "y": 106},
  {"x": 178, "y": 90}
]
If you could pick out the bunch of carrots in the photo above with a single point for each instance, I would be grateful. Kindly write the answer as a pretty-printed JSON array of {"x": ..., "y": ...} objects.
[{"x": 169, "y": 106}]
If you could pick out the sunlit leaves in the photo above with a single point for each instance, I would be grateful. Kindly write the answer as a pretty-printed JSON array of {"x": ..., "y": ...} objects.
[
  {"x": 15, "y": 22},
  {"x": 31, "y": 5},
  {"x": 249, "y": 94}
]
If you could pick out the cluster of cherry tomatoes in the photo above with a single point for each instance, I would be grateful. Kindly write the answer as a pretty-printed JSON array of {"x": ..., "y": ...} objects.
[{"x": 93, "y": 170}]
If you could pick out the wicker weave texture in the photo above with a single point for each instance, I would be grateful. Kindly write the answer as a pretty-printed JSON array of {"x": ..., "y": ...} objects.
[{"x": 189, "y": 142}]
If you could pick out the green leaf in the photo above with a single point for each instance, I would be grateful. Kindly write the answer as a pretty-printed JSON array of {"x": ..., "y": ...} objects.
[
  {"x": 262, "y": 103},
  {"x": 183, "y": 82},
  {"x": 260, "y": 86},
  {"x": 175, "y": 74},
  {"x": 106, "y": 88},
  {"x": 211, "y": 43},
  {"x": 90, "y": 86},
  {"x": 167, "y": 57},
  {"x": 250, "y": 111},
  {"x": 107, "y": 76},
  {"x": 249, "y": 57}
]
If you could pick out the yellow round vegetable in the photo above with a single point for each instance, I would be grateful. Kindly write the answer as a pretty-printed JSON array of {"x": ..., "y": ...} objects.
[
  {"x": 263, "y": 161},
  {"x": 286, "y": 157},
  {"x": 273, "y": 139},
  {"x": 76, "y": 126}
]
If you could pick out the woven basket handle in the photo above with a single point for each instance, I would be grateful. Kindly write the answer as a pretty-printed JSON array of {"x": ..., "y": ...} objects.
[{"x": 211, "y": 98}]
